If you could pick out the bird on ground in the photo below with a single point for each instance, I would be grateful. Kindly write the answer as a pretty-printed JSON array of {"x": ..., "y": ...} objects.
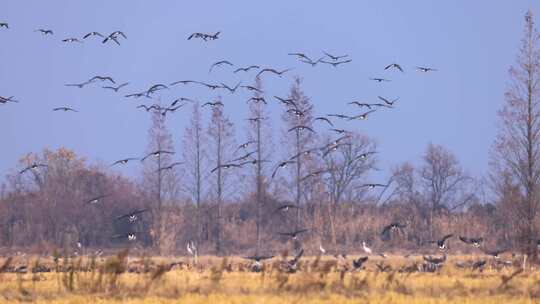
[
  {"x": 71, "y": 40},
  {"x": 4, "y": 24},
  {"x": 33, "y": 167},
  {"x": 393, "y": 227},
  {"x": 286, "y": 208},
  {"x": 335, "y": 58},
  {"x": 65, "y": 109},
  {"x": 336, "y": 63},
  {"x": 362, "y": 116},
  {"x": 78, "y": 85},
  {"x": 282, "y": 165},
  {"x": 116, "y": 88},
  {"x": 96, "y": 199},
  {"x": 246, "y": 69},
  {"x": 293, "y": 234},
  {"x": 321, "y": 249},
  {"x": 156, "y": 154},
  {"x": 123, "y": 161},
  {"x": 170, "y": 167},
  {"x": 373, "y": 186},
  {"x": 213, "y": 104},
  {"x": 225, "y": 166},
  {"x": 425, "y": 69},
  {"x": 279, "y": 73},
  {"x": 301, "y": 128},
  {"x": 387, "y": 101},
  {"x": 219, "y": 64},
  {"x": 383, "y": 267},
  {"x": 394, "y": 66},
  {"x": 132, "y": 216},
  {"x": 45, "y": 32},
  {"x": 357, "y": 264},
  {"x": 191, "y": 248},
  {"x": 91, "y": 34},
  {"x": 380, "y": 80},
  {"x": 259, "y": 258},
  {"x": 475, "y": 242},
  {"x": 233, "y": 89},
  {"x": 366, "y": 249},
  {"x": 324, "y": 119},
  {"x": 441, "y": 243},
  {"x": 101, "y": 78},
  {"x": 210, "y": 86},
  {"x": 130, "y": 236},
  {"x": 257, "y": 100},
  {"x": 252, "y": 88}
]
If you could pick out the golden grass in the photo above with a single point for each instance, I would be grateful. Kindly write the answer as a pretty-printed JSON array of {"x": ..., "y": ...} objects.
[{"x": 217, "y": 280}]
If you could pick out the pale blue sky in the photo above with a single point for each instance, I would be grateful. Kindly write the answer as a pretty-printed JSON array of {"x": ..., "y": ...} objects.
[{"x": 472, "y": 43}]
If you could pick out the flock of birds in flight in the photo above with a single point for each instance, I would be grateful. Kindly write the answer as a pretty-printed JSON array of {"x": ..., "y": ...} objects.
[{"x": 108, "y": 83}]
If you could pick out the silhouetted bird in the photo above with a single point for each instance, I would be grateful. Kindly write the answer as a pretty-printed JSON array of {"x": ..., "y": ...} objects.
[
  {"x": 219, "y": 64},
  {"x": 123, "y": 161},
  {"x": 91, "y": 34},
  {"x": 293, "y": 234},
  {"x": 156, "y": 154},
  {"x": 425, "y": 69},
  {"x": 357, "y": 264},
  {"x": 116, "y": 88},
  {"x": 132, "y": 216},
  {"x": 45, "y": 32},
  {"x": 65, "y": 109},
  {"x": 336, "y": 63},
  {"x": 335, "y": 58},
  {"x": 475, "y": 242},
  {"x": 32, "y": 167},
  {"x": 395, "y": 66},
  {"x": 246, "y": 69}
]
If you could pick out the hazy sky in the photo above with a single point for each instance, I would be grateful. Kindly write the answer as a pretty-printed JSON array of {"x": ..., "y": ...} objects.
[{"x": 471, "y": 43}]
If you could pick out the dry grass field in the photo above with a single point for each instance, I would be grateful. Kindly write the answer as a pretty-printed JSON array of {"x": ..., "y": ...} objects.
[{"x": 120, "y": 279}]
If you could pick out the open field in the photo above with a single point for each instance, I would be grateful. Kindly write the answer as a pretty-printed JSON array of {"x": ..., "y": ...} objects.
[{"x": 230, "y": 280}]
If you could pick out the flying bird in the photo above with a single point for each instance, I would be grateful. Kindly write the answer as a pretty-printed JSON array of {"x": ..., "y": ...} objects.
[
  {"x": 441, "y": 243},
  {"x": 252, "y": 88},
  {"x": 116, "y": 88},
  {"x": 4, "y": 100},
  {"x": 362, "y": 116},
  {"x": 257, "y": 100},
  {"x": 170, "y": 167},
  {"x": 373, "y": 186},
  {"x": 96, "y": 199},
  {"x": 313, "y": 63},
  {"x": 4, "y": 24},
  {"x": 282, "y": 165},
  {"x": 286, "y": 207},
  {"x": 123, "y": 161},
  {"x": 233, "y": 89},
  {"x": 70, "y": 40},
  {"x": 341, "y": 116},
  {"x": 114, "y": 37},
  {"x": 101, "y": 78},
  {"x": 286, "y": 101},
  {"x": 325, "y": 120},
  {"x": 393, "y": 66},
  {"x": 32, "y": 167},
  {"x": 246, "y": 69},
  {"x": 336, "y": 63},
  {"x": 132, "y": 216},
  {"x": 45, "y": 32},
  {"x": 156, "y": 154},
  {"x": 91, "y": 34},
  {"x": 279, "y": 73},
  {"x": 313, "y": 174},
  {"x": 494, "y": 253},
  {"x": 219, "y": 64},
  {"x": 78, "y": 85},
  {"x": 65, "y": 109},
  {"x": 301, "y": 128},
  {"x": 425, "y": 69},
  {"x": 393, "y": 227},
  {"x": 380, "y": 79},
  {"x": 475, "y": 242},
  {"x": 387, "y": 101},
  {"x": 300, "y": 56},
  {"x": 213, "y": 104},
  {"x": 245, "y": 145},
  {"x": 357, "y": 264},
  {"x": 225, "y": 166},
  {"x": 293, "y": 234},
  {"x": 183, "y": 82},
  {"x": 335, "y": 58}
]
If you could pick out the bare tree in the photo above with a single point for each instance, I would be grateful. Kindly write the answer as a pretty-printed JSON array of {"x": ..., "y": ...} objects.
[
  {"x": 195, "y": 157},
  {"x": 517, "y": 146},
  {"x": 222, "y": 143},
  {"x": 298, "y": 113}
]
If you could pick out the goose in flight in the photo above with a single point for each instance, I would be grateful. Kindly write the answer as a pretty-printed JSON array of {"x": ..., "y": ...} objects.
[
  {"x": 116, "y": 88},
  {"x": 233, "y": 89},
  {"x": 245, "y": 145},
  {"x": 210, "y": 86},
  {"x": 321, "y": 249},
  {"x": 45, "y": 32},
  {"x": 302, "y": 128},
  {"x": 336, "y": 63},
  {"x": 246, "y": 69},
  {"x": 123, "y": 161},
  {"x": 226, "y": 166},
  {"x": 257, "y": 259},
  {"x": 494, "y": 253},
  {"x": 102, "y": 78},
  {"x": 357, "y": 264},
  {"x": 252, "y": 88},
  {"x": 213, "y": 104},
  {"x": 4, "y": 24},
  {"x": 286, "y": 208},
  {"x": 148, "y": 108},
  {"x": 313, "y": 174},
  {"x": 441, "y": 243},
  {"x": 114, "y": 37},
  {"x": 324, "y": 119},
  {"x": 425, "y": 69},
  {"x": 243, "y": 157},
  {"x": 332, "y": 148},
  {"x": 191, "y": 248},
  {"x": 306, "y": 152},
  {"x": 257, "y": 100},
  {"x": 156, "y": 154},
  {"x": 362, "y": 116},
  {"x": 71, "y": 40},
  {"x": 282, "y": 165},
  {"x": 393, "y": 227},
  {"x": 78, "y": 85},
  {"x": 97, "y": 199},
  {"x": 91, "y": 34},
  {"x": 373, "y": 186},
  {"x": 132, "y": 216},
  {"x": 170, "y": 109},
  {"x": 4, "y": 100},
  {"x": 335, "y": 58},
  {"x": 293, "y": 234},
  {"x": 361, "y": 104},
  {"x": 365, "y": 155},
  {"x": 387, "y": 101},
  {"x": 155, "y": 88},
  {"x": 256, "y": 119},
  {"x": 475, "y": 242},
  {"x": 380, "y": 80},
  {"x": 314, "y": 63},
  {"x": 341, "y": 116},
  {"x": 65, "y": 109},
  {"x": 394, "y": 66},
  {"x": 33, "y": 167},
  {"x": 130, "y": 236},
  {"x": 279, "y": 73},
  {"x": 219, "y": 64},
  {"x": 184, "y": 82},
  {"x": 286, "y": 101},
  {"x": 300, "y": 56},
  {"x": 170, "y": 167},
  {"x": 296, "y": 112}
]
